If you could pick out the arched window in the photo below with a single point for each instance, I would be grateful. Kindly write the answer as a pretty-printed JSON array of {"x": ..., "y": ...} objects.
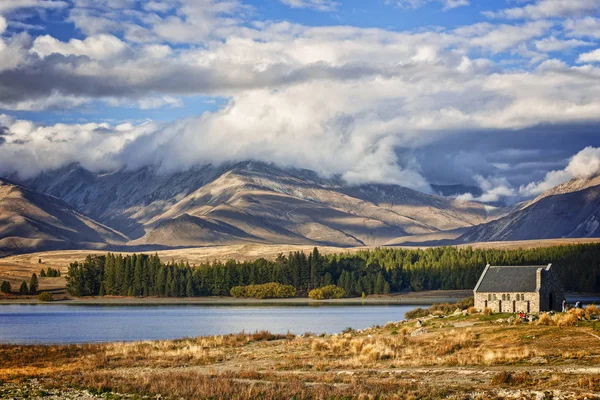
[
  {"x": 503, "y": 297},
  {"x": 489, "y": 297},
  {"x": 508, "y": 297},
  {"x": 518, "y": 297},
  {"x": 522, "y": 296},
  {"x": 494, "y": 297}
]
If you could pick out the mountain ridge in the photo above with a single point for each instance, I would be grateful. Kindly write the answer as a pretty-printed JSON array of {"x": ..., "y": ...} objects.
[{"x": 268, "y": 204}]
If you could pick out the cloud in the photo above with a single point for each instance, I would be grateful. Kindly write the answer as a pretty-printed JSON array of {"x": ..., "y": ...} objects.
[
  {"x": 2, "y": 24},
  {"x": 553, "y": 44},
  {"x": 7, "y": 6},
  {"x": 495, "y": 189},
  {"x": 363, "y": 103},
  {"x": 583, "y": 27},
  {"x": 319, "y": 5},
  {"x": 591, "y": 57},
  {"x": 447, "y": 4},
  {"x": 541, "y": 9},
  {"x": 35, "y": 148},
  {"x": 585, "y": 164},
  {"x": 98, "y": 47}
]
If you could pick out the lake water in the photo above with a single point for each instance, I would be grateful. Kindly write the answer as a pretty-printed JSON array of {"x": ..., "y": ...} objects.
[{"x": 53, "y": 324}]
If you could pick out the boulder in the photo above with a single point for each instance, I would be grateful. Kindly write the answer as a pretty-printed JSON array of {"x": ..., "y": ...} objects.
[{"x": 418, "y": 332}]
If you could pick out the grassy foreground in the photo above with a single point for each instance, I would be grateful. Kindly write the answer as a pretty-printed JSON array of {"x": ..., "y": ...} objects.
[{"x": 458, "y": 356}]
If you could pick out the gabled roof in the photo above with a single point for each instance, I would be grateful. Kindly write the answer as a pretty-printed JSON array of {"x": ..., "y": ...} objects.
[{"x": 509, "y": 279}]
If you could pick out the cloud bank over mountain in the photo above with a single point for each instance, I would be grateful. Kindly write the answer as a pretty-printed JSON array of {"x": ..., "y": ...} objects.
[{"x": 368, "y": 103}]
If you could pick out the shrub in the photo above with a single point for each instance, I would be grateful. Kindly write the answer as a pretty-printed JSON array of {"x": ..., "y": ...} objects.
[
  {"x": 327, "y": 292},
  {"x": 566, "y": 320},
  {"x": 45, "y": 296},
  {"x": 442, "y": 308},
  {"x": 271, "y": 290},
  {"x": 416, "y": 313},
  {"x": 579, "y": 313},
  {"x": 5, "y": 287},
  {"x": 545, "y": 319},
  {"x": 592, "y": 310},
  {"x": 507, "y": 378}
]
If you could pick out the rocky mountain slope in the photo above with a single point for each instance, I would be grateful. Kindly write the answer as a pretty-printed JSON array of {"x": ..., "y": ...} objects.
[
  {"x": 254, "y": 202},
  {"x": 570, "y": 210},
  {"x": 31, "y": 220}
]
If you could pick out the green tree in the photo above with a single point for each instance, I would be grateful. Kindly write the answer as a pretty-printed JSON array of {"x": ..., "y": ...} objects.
[
  {"x": 23, "y": 290},
  {"x": 5, "y": 287},
  {"x": 33, "y": 284}
]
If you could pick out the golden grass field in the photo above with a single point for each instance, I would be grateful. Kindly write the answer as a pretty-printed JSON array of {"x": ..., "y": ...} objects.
[
  {"x": 19, "y": 268},
  {"x": 459, "y": 356}
]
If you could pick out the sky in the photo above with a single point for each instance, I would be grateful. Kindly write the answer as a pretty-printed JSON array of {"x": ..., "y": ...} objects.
[{"x": 501, "y": 94}]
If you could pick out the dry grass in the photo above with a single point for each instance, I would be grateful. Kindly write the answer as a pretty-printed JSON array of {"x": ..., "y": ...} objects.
[{"x": 382, "y": 362}]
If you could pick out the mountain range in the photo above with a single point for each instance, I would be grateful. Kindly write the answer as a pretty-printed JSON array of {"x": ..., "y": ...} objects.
[{"x": 251, "y": 202}]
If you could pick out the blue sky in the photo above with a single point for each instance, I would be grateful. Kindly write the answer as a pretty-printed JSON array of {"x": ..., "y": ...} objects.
[{"x": 503, "y": 94}]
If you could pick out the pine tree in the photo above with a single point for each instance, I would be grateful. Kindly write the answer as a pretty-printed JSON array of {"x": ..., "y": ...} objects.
[
  {"x": 386, "y": 288},
  {"x": 102, "y": 292},
  {"x": 189, "y": 289},
  {"x": 23, "y": 290},
  {"x": 33, "y": 284},
  {"x": 5, "y": 287}
]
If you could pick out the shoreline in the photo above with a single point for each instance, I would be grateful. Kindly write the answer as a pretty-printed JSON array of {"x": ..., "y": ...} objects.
[{"x": 415, "y": 298}]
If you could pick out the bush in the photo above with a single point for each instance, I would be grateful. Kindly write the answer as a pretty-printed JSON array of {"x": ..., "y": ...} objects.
[
  {"x": 417, "y": 313},
  {"x": 45, "y": 296},
  {"x": 441, "y": 308},
  {"x": 545, "y": 319},
  {"x": 592, "y": 310},
  {"x": 5, "y": 287},
  {"x": 271, "y": 290},
  {"x": 327, "y": 292}
]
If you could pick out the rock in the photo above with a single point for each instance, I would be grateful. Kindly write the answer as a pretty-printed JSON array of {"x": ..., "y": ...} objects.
[
  {"x": 419, "y": 324},
  {"x": 418, "y": 332},
  {"x": 540, "y": 396},
  {"x": 511, "y": 320},
  {"x": 457, "y": 311}
]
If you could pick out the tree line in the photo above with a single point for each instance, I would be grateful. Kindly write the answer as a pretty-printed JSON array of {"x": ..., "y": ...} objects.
[
  {"x": 24, "y": 289},
  {"x": 377, "y": 271}
]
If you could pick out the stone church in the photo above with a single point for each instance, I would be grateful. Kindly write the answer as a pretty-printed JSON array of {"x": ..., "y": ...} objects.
[{"x": 513, "y": 289}]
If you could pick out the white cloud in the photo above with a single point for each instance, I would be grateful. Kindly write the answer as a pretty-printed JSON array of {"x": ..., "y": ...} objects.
[
  {"x": 494, "y": 189},
  {"x": 553, "y": 44},
  {"x": 11, "y": 5},
  {"x": 502, "y": 37},
  {"x": 541, "y": 9},
  {"x": 447, "y": 4},
  {"x": 36, "y": 147},
  {"x": 585, "y": 164},
  {"x": 591, "y": 57},
  {"x": 336, "y": 99},
  {"x": 2, "y": 24},
  {"x": 95, "y": 47},
  {"x": 583, "y": 27},
  {"x": 319, "y": 5}
]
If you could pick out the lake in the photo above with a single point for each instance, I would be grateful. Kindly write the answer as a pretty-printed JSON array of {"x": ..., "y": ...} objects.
[{"x": 55, "y": 324}]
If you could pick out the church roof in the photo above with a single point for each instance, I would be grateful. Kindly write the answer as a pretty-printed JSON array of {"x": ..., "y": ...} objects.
[{"x": 517, "y": 279}]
